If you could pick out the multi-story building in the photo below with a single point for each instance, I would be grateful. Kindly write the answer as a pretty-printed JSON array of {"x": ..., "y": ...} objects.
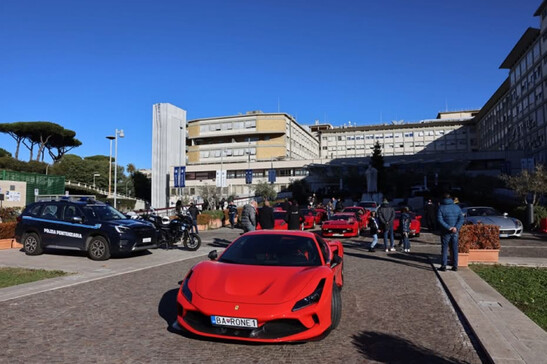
[
  {"x": 255, "y": 136},
  {"x": 514, "y": 117},
  {"x": 449, "y": 132}
]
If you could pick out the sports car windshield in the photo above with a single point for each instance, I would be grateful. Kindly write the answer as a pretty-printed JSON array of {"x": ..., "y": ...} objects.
[
  {"x": 482, "y": 211},
  {"x": 341, "y": 217},
  {"x": 273, "y": 250}
]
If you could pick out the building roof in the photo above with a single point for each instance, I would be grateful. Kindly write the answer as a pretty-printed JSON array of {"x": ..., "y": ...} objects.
[
  {"x": 502, "y": 90},
  {"x": 529, "y": 36},
  {"x": 540, "y": 9},
  {"x": 433, "y": 123}
]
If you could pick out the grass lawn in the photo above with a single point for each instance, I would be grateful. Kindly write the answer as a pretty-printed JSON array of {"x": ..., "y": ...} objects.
[
  {"x": 524, "y": 287},
  {"x": 14, "y": 276}
]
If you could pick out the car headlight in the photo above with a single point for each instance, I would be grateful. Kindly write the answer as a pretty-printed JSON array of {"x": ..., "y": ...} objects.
[
  {"x": 312, "y": 298},
  {"x": 122, "y": 229},
  {"x": 517, "y": 222},
  {"x": 185, "y": 289}
]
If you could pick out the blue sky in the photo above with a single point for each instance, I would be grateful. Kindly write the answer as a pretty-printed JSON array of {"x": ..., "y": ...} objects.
[{"x": 94, "y": 66}]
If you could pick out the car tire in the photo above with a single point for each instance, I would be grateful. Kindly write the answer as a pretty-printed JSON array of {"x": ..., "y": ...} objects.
[
  {"x": 32, "y": 244},
  {"x": 193, "y": 242},
  {"x": 336, "y": 307},
  {"x": 98, "y": 248}
]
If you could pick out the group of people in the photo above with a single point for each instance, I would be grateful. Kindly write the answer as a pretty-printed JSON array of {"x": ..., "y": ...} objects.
[
  {"x": 382, "y": 220},
  {"x": 251, "y": 216},
  {"x": 449, "y": 218}
]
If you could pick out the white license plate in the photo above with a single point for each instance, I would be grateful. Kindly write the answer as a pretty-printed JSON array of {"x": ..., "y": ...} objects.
[
  {"x": 234, "y": 322},
  {"x": 146, "y": 240},
  {"x": 337, "y": 234}
]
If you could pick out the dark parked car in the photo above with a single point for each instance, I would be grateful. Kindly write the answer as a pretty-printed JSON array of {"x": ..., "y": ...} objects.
[{"x": 85, "y": 224}]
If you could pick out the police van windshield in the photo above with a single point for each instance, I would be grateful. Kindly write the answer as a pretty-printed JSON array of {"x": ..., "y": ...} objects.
[{"x": 103, "y": 212}]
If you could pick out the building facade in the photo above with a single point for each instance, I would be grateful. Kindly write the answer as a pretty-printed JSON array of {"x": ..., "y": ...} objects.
[
  {"x": 168, "y": 149},
  {"x": 449, "y": 132},
  {"x": 255, "y": 136},
  {"x": 514, "y": 118}
]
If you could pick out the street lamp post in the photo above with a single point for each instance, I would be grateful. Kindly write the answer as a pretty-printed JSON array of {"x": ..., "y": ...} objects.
[
  {"x": 95, "y": 175},
  {"x": 121, "y": 134},
  {"x": 111, "y": 138}
]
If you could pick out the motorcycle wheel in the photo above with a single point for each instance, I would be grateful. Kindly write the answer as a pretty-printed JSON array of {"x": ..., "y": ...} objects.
[{"x": 193, "y": 242}]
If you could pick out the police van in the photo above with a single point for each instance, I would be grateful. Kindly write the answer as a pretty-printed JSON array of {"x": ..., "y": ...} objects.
[{"x": 85, "y": 225}]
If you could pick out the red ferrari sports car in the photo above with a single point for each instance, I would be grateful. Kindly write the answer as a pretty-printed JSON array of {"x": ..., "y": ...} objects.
[
  {"x": 341, "y": 224},
  {"x": 362, "y": 215},
  {"x": 415, "y": 223},
  {"x": 267, "y": 286},
  {"x": 313, "y": 217}
]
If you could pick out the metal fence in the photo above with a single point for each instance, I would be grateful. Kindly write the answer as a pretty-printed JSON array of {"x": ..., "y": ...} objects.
[{"x": 45, "y": 184}]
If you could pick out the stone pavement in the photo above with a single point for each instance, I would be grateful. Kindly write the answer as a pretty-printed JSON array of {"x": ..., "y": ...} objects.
[{"x": 505, "y": 334}]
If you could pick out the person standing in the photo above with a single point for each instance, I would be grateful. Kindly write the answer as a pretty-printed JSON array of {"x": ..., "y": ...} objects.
[
  {"x": 266, "y": 216},
  {"x": 386, "y": 215},
  {"x": 404, "y": 226},
  {"x": 330, "y": 207},
  {"x": 194, "y": 212},
  {"x": 450, "y": 219},
  {"x": 293, "y": 217},
  {"x": 248, "y": 217},
  {"x": 430, "y": 215},
  {"x": 374, "y": 227},
  {"x": 339, "y": 205},
  {"x": 232, "y": 211}
]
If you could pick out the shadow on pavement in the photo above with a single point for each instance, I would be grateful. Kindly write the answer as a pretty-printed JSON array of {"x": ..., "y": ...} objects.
[
  {"x": 415, "y": 260},
  {"x": 167, "y": 308},
  {"x": 219, "y": 243},
  {"x": 387, "y": 348}
]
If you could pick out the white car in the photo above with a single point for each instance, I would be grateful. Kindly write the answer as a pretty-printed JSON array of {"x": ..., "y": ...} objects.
[{"x": 509, "y": 226}]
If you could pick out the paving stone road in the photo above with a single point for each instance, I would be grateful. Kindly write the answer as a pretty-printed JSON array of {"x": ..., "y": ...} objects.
[{"x": 394, "y": 310}]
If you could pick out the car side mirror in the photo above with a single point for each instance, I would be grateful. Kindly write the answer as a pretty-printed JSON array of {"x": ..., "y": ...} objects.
[
  {"x": 505, "y": 214},
  {"x": 213, "y": 255},
  {"x": 77, "y": 219},
  {"x": 335, "y": 261}
]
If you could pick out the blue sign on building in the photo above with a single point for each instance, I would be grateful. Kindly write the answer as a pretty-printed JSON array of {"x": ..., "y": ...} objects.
[
  {"x": 176, "y": 176},
  {"x": 249, "y": 176},
  {"x": 271, "y": 175},
  {"x": 182, "y": 176}
]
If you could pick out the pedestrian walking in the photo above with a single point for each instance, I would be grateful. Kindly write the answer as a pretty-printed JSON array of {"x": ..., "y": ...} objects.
[
  {"x": 330, "y": 207},
  {"x": 374, "y": 228},
  {"x": 386, "y": 215},
  {"x": 404, "y": 226},
  {"x": 248, "y": 217},
  {"x": 293, "y": 217},
  {"x": 266, "y": 216},
  {"x": 194, "y": 212},
  {"x": 232, "y": 211},
  {"x": 450, "y": 219}
]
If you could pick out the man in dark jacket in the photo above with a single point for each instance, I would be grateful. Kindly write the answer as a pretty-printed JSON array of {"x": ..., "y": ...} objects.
[
  {"x": 266, "y": 216},
  {"x": 450, "y": 219},
  {"x": 293, "y": 217},
  {"x": 386, "y": 215},
  {"x": 430, "y": 215},
  {"x": 194, "y": 212}
]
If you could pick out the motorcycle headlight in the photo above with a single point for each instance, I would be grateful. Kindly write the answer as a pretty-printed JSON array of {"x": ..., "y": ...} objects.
[
  {"x": 122, "y": 229},
  {"x": 185, "y": 289},
  {"x": 312, "y": 298}
]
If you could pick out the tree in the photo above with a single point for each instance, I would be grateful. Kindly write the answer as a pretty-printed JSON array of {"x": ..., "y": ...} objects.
[
  {"x": 265, "y": 190},
  {"x": 18, "y": 131},
  {"x": 526, "y": 184},
  {"x": 209, "y": 194},
  {"x": 377, "y": 161},
  {"x": 60, "y": 144},
  {"x": 142, "y": 186}
]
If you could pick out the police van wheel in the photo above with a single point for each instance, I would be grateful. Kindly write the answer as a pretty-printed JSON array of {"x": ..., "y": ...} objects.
[
  {"x": 98, "y": 248},
  {"x": 32, "y": 244}
]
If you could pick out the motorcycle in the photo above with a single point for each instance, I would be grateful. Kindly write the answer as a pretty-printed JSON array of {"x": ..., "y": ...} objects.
[{"x": 173, "y": 232}]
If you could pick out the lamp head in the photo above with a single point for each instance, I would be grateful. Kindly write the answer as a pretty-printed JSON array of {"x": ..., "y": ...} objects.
[{"x": 121, "y": 134}]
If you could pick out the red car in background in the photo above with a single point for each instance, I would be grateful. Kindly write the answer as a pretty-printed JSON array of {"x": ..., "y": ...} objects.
[
  {"x": 313, "y": 217},
  {"x": 415, "y": 224},
  {"x": 279, "y": 220},
  {"x": 362, "y": 215},
  {"x": 341, "y": 224}
]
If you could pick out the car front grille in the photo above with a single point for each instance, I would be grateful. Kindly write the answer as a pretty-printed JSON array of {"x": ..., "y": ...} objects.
[{"x": 271, "y": 330}]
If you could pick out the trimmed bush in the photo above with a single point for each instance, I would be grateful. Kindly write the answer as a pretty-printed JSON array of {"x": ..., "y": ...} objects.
[
  {"x": 478, "y": 236},
  {"x": 203, "y": 219},
  {"x": 9, "y": 214},
  {"x": 7, "y": 230}
]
